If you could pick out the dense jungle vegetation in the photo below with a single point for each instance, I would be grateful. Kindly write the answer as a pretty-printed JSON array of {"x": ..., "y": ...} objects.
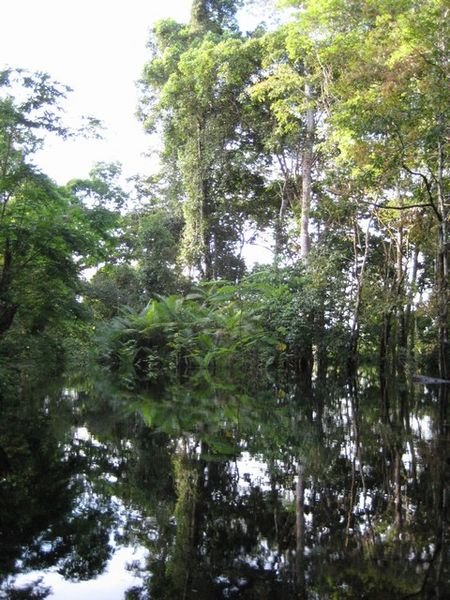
[{"x": 326, "y": 136}]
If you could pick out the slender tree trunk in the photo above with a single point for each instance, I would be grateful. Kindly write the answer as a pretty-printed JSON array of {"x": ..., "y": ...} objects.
[
  {"x": 208, "y": 240},
  {"x": 409, "y": 314},
  {"x": 305, "y": 246},
  {"x": 398, "y": 489},
  {"x": 442, "y": 270},
  {"x": 401, "y": 337},
  {"x": 305, "y": 242},
  {"x": 359, "y": 274},
  {"x": 279, "y": 225}
]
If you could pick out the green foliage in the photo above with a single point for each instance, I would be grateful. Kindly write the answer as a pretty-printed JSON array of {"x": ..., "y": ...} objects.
[
  {"x": 225, "y": 366},
  {"x": 46, "y": 235},
  {"x": 194, "y": 338},
  {"x": 196, "y": 90},
  {"x": 154, "y": 237},
  {"x": 214, "y": 15},
  {"x": 142, "y": 264}
]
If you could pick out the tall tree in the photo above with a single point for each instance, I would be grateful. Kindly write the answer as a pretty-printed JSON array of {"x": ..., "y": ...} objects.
[
  {"x": 288, "y": 92},
  {"x": 198, "y": 77},
  {"x": 393, "y": 112},
  {"x": 384, "y": 67}
]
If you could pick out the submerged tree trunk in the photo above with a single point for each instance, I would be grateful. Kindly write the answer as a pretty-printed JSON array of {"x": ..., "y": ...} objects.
[
  {"x": 398, "y": 489},
  {"x": 300, "y": 531},
  {"x": 181, "y": 564}
]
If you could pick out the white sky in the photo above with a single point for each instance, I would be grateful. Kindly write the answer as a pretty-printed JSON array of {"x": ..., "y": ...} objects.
[{"x": 98, "y": 48}]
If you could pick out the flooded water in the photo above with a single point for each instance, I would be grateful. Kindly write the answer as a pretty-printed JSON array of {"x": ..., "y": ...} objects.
[{"x": 328, "y": 492}]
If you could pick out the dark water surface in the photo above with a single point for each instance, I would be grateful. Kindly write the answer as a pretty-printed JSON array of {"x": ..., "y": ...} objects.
[{"x": 328, "y": 492}]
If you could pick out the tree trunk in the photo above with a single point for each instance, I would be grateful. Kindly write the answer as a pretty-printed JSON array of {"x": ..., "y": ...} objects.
[
  {"x": 7, "y": 314},
  {"x": 305, "y": 242},
  {"x": 409, "y": 316},
  {"x": 442, "y": 274},
  {"x": 300, "y": 530},
  {"x": 359, "y": 274},
  {"x": 279, "y": 224},
  {"x": 398, "y": 489},
  {"x": 8, "y": 309}
]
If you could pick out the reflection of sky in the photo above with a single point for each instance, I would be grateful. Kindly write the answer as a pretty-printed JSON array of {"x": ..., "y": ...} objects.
[
  {"x": 116, "y": 579},
  {"x": 111, "y": 585},
  {"x": 252, "y": 471}
]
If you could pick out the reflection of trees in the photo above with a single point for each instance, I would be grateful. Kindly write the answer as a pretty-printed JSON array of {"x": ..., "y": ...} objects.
[
  {"x": 375, "y": 510},
  {"x": 222, "y": 543},
  {"x": 375, "y": 528},
  {"x": 50, "y": 515},
  {"x": 31, "y": 591}
]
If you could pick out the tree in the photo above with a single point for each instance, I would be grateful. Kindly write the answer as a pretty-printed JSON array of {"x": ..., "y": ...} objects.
[
  {"x": 198, "y": 77},
  {"x": 23, "y": 123},
  {"x": 214, "y": 15},
  {"x": 142, "y": 265},
  {"x": 382, "y": 71},
  {"x": 397, "y": 131},
  {"x": 47, "y": 236}
]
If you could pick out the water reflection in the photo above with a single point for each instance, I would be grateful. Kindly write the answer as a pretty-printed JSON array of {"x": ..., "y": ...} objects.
[
  {"x": 324, "y": 492},
  {"x": 57, "y": 511}
]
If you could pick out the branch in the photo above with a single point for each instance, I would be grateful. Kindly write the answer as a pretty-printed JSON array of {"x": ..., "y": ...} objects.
[
  {"x": 416, "y": 173},
  {"x": 428, "y": 188},
  {"x": 427, "y": 205}
]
